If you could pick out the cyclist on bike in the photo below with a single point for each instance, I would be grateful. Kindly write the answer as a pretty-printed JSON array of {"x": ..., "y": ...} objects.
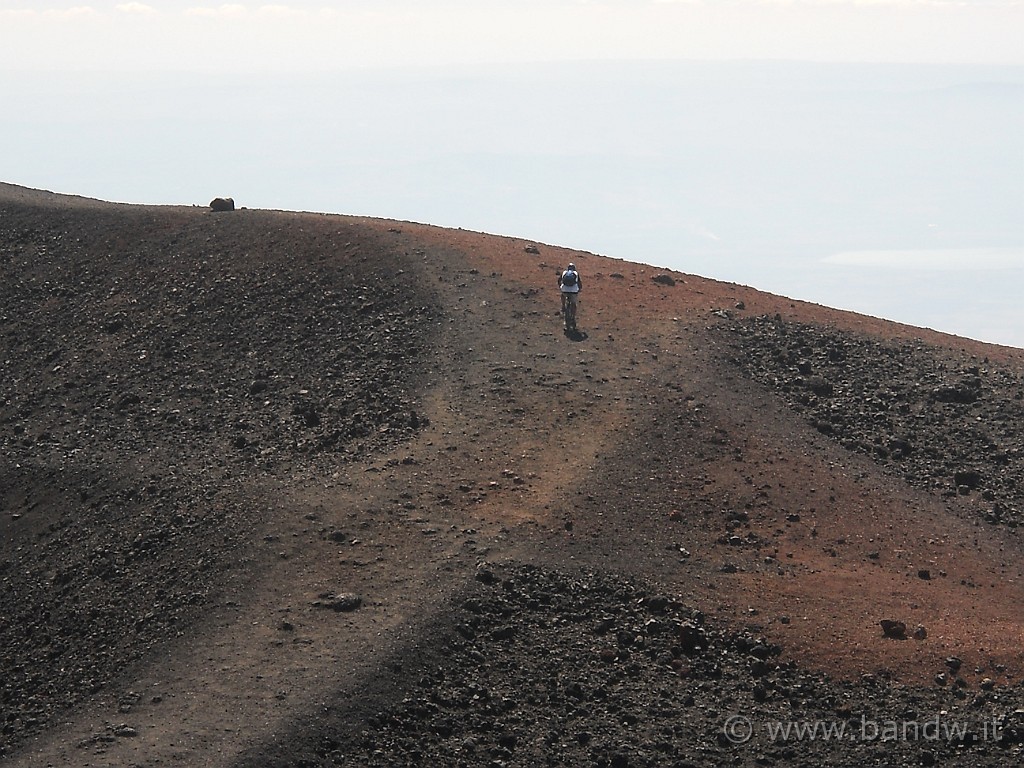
[{"x": 570, "y": 285}]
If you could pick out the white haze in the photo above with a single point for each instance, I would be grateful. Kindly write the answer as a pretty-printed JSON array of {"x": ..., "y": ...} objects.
[{"x": 896, "y": 190}]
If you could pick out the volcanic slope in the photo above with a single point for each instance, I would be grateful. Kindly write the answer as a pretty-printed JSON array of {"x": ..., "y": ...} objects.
[{"x": 303, "y": 489}]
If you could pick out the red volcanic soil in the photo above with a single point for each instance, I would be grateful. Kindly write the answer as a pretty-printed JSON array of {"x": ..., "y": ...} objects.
[{"x": 302, "y": 489}]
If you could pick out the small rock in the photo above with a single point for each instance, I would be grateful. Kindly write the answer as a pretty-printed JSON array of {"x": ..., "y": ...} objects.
[
  {"x": 604, "y": 625},
  {"x": 486, "y": 576},
  {"x": 894, "y": 629},
  {"x": 967, "y": 479},
  {"x": 504, "y": 633},
  {"x": 219, "y": 204},
  {"x": 819, "y": 385},
  {"x": 658, "y": 603},
  {"x": 920, "y": 633},
  {"x": 663, "y": 279},
  {"x": 342, "y": 603},
  {"x": 692, "y": 638},
  {"x": 761, "y": 651},
  {"x": 925, "y": 574}
]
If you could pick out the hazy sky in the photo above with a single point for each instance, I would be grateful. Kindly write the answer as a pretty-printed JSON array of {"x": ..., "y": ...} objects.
[{"x": 191, "y": 34}]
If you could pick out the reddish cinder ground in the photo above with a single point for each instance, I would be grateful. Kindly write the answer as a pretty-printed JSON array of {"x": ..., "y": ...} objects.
[
  {"x": 619, "y": 448},
  {"x": 854, "y": 556}
]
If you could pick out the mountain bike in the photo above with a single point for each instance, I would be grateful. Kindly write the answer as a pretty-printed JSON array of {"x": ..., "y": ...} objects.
[{"x": 570, "y": 311}]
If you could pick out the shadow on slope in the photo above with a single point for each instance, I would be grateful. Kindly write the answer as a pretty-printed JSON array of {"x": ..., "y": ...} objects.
[{"x": 161, "y": 367}]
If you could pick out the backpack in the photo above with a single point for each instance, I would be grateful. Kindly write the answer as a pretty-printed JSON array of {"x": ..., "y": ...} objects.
[{"x": 569, "y": 278}]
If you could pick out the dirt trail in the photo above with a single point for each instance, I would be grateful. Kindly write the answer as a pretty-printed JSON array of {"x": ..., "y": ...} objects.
[{"x": 511, "y": 430}]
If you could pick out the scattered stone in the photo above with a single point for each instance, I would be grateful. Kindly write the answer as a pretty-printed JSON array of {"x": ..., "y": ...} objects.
[
  {"x": 819, "y": 385},
  {"x": 963, "y": 393},
  {"x": 664, "y": 279},
  {"x": 968, "y": 478},
  {"x": 221, "y": 204},
  {"x": 894, "y": 628},
  {"x": 486, "y": 576},
  {"x": 504, "y": 633},
  {"x": 658, "y": 603},
  {"x": 692, "y": 639},
  {"x": 342, "y": 603},
  {"x": 920, "y": 633}
]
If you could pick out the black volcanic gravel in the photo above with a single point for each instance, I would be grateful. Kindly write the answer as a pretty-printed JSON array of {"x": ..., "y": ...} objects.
[
  {"x": 158, "y": 365},
  {"x": 534, "y": 666},
  {"x": 946, "y": 423}
]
